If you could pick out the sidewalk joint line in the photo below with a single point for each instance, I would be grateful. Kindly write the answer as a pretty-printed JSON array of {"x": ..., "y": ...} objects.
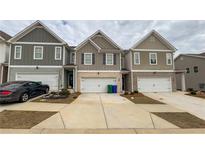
[
  {"x": 152, "y": 120},
  {"x": 62, "y": 119},
  {"x": 103, "y": 111}
]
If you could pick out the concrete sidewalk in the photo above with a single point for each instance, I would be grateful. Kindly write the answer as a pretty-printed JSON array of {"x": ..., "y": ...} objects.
[
  {"x": 102, "y": 131},
  {"x": 193, "y": 105}
]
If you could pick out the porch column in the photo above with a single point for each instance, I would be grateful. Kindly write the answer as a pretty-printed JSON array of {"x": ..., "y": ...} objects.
[{"x": 183, "y": 82}]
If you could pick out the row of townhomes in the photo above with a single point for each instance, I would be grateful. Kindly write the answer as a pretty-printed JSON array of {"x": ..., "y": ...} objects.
[{"x": 38, "y": 54}]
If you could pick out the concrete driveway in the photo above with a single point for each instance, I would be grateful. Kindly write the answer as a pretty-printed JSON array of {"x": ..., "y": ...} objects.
[{"x": 179, "y": 100}]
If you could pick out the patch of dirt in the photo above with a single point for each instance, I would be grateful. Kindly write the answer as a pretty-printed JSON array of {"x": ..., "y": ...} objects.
[
  {"x": 10, "y": 119},
  {"x": 182, "y": 119},
  {"x": 139, "y": 98},
  {"x": 67, "y": 100}
]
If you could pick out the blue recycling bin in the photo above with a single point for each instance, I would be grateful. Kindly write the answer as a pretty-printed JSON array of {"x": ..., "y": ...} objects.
[{"x": 114, "y": 88}]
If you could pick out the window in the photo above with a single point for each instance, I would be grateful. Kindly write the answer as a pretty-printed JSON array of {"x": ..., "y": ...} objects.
[
  {"x": 38, "y": 53},
  {"x": 17, "y": 54},
  {"x": 72, "y": 57},
  {"x": 187, "y": 70},
  {"x": 109, "y": 59},
  {"x": 136, "y": 58},
  {"x": 153, "y": 58},
  {"x": 196, "y": 70},
  {"x": 58, "y": 53},
  {"x": 88, "y": 58},
  {"x": 169, "y": 58}
]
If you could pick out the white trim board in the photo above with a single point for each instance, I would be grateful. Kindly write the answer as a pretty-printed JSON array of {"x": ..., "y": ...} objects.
[
  {"x": 95, "y": 71},
  {"x": 34, "y": 66},
  {"x": 157, "y": 50},
  {"x": 153, "y": 71},
  {"x": 38, "y": 43}
]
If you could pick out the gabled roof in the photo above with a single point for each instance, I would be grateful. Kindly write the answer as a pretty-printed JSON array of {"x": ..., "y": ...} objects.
[
  {"x": 169, "y": 45},
  {"x": 89, "y": 39},
  {"x": 4, "y": 36},
  {"x": 31, "y": 27}
]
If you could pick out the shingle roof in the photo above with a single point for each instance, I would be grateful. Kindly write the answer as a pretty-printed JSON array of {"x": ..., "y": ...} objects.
[{"x": 5, "y": 35}]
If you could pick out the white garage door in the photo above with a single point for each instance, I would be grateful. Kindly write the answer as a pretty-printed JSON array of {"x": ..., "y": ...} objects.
[
  {"x": 50, "y": 79},
  {"x": 96, "y": 84},
  {"x": 154, "y": 84}
]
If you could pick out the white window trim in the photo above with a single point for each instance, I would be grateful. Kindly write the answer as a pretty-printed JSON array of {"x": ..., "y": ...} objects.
[
  {"x": 56, "y": 53},
  {"x": 167, "y": 58},
  {"x": 35, "y": 51},
  {"x": 136, "y": 53},
  {"x": 107, "y": 58},
  {"x": 15, "y": 52},
  {"x": 150, "y": 58},
  {"x": 91, "y": 58}
]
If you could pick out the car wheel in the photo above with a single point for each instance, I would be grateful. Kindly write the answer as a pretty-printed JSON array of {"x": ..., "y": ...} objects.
[
  {"x": 24, "y": 97},
  {"x": 47, "y": 90}
]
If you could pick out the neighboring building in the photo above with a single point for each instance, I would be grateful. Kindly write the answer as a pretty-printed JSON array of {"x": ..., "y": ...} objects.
[
  {"x": 38, "y": 54},
  {"x": 98, "y": 61},
  {"x": 150, "y": 62},
  {"x": 194, "y": 65},
  {"x": 4, "y": 56}
]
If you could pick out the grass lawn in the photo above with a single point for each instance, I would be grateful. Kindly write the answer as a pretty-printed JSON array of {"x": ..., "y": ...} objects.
[
  {"x": 182, "y": 119},
  {"x": 139, "y": 98},
  {"x": 67, "y": 100},
  {"x": 10, "y": 119}
]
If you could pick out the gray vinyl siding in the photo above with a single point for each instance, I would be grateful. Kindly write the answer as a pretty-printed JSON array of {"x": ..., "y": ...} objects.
[
  {"x": 136, "y": 75},
  {"x": 103, "y": 44},
  {"x": 39, "y": 35},
  {"x": 192, "y": 79},
  {"x": 89, "y": 48},
  {"x": 145, "y": 64},
  {"x": 27, "y": 55},
  {"x": 127, "y": 61}
]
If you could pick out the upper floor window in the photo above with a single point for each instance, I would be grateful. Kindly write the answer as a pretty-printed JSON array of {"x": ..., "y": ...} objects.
[
  {"x": 187, "y": 70},
  {"x": 196, "y": 70},
  {"x": 72, "y": 57},
  {"x": 58, "y": 53},
  {"x": 136, "y": 58},
  {"x": 153, "y": 58},
  {"x": 17, "y": 53},
  {"x": 38, "y": 53},
  {"x": 109, "y": 59},
  {"x": 88, "y": 58},
  {"x": 169, "y": 58}
]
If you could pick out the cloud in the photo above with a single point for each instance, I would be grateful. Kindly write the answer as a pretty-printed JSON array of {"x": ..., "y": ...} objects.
[{"x": 186, "y": 36}]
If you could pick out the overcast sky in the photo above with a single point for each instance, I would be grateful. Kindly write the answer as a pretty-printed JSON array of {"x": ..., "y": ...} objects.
[{"x": 186, "y": 36}]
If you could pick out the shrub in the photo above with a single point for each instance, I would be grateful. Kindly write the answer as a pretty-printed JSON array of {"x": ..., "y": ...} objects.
[
  {"x": 136, "y": 91},
  {"x": 190, "y": 89},
  {"x": 193, "y": 92},
  {"x": 126, "y": 93},
  {"x": 64, "y": 92}
]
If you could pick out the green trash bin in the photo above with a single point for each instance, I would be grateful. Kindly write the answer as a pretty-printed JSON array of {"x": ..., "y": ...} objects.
[{"x": 109, "y": 88}]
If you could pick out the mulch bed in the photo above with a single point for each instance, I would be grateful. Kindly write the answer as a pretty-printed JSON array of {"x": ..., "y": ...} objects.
[
  {"x": 139, "y": 98},
  {"x": 67, "y": 100},
  {"x": 197, "y": 95},
  {"x": 182, "y": 119},
  {"x": 10, "y": 119}
]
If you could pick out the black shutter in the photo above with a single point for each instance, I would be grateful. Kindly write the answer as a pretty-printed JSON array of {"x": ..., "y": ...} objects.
[
  {"x": 114, "y": 59},
  {"x": 104, "y": 58},
  {"x": 93, "y": 58},
  {"x": 82, "y": 58}
]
